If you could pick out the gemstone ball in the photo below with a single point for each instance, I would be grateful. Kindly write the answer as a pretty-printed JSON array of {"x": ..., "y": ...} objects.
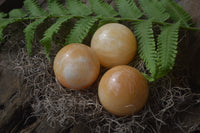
[
  {"x": 123, "y": 90},
  {"x": 114, "y": 44},
  {"x": 76, "y": 66}
]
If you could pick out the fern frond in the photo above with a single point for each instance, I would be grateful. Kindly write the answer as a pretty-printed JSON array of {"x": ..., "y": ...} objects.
[
  {"x": 128, "y": 9},
  {"x": 103, "y": 9},
  {"x": 76, "y": 7},
  {"x": 146, "y": 45},
  {"x": 167, "y": 48},
  {"x": 29, "y": 33},
  {"x": 33, "y": 9},
  {"x": 46, "y": 40},
  {"x": 56, "y": 9},
  {"x": 177, "y": 13},
  {"x": 17, "y": 13},
  {"x": 153, "y": 9},
  {"x": 3, "y": 24},
  {"x": 80, "y": 30},
  {"x": 2, "y": 15}
]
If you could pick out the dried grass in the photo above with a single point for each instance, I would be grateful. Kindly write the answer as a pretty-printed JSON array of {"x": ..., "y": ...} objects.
[{"x": 168, "y": 96}]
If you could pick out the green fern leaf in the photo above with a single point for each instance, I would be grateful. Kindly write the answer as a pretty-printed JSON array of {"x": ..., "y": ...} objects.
[
  {"x": 102, "y": 9},
  {"x": 46, "y": 40},
  {"x": 177, "y": 13},
  {"x": 2, "y": 15},
  {"x": 149, "y": 78},
  {"x": 167, "y": 48},
  {"x": 17, "y": 13},
  {"x": 146, "y": 45},
  {"x": 33, "y": 9},
  {"x": 128, "y": 9},
  {"x": 106, "y": 21},
  {"x": 76, "y": 7},
  {"x": 29, "y": 33},
  {"x": 3, "y": 24},
  {"x": 153, "y": 9},
  {"x": 56, "y": 9},
  {"x": 80, "y": 30}
]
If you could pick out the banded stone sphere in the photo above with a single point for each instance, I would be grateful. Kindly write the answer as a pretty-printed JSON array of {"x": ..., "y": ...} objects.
[
  {"x": 76, "y": 66},
  {"x": 123, "y": 90},
  {"x": 114, "y": 44}
]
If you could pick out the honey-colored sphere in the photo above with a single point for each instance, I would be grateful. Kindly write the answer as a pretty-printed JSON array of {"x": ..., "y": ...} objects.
[
  {"x": 114, "y": 44},
  {"x": 76, "y": 66},
  {"x": 123, "y": 90}
]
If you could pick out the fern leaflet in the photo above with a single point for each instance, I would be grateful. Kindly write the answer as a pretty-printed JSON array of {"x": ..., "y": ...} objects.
[
  {"x": 146, "y": 45},
  {"x": 80, "y": 30},
  {"x": 176, "y": 12},
  {"x": 33, "y": 9},
  {"x": 17, "y": 13},
  {"x": 29, "y": 33},
  {"x": 15, "y": 16},
  {"x": 154, "y": 10},
  {"x": 2, "y": 15},
  {"x": 106, "y": 21},
  {"x": 46, "y": 40},
  {"x": 128, "y": 9},
  {"x": 76, "y": 7},
  {"x": 102, "y": 9},
  {"x": 3, "y": 24},
  {"x": 167, "y": 48},
  {"x": 56, "y": 9}
]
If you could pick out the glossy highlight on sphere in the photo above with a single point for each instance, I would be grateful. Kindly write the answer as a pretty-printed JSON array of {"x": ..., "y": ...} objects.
[
  {"x": 123, "y": 90},
  {"x": 114, "y": 44},
  {"x": 76, "y": 66}
]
